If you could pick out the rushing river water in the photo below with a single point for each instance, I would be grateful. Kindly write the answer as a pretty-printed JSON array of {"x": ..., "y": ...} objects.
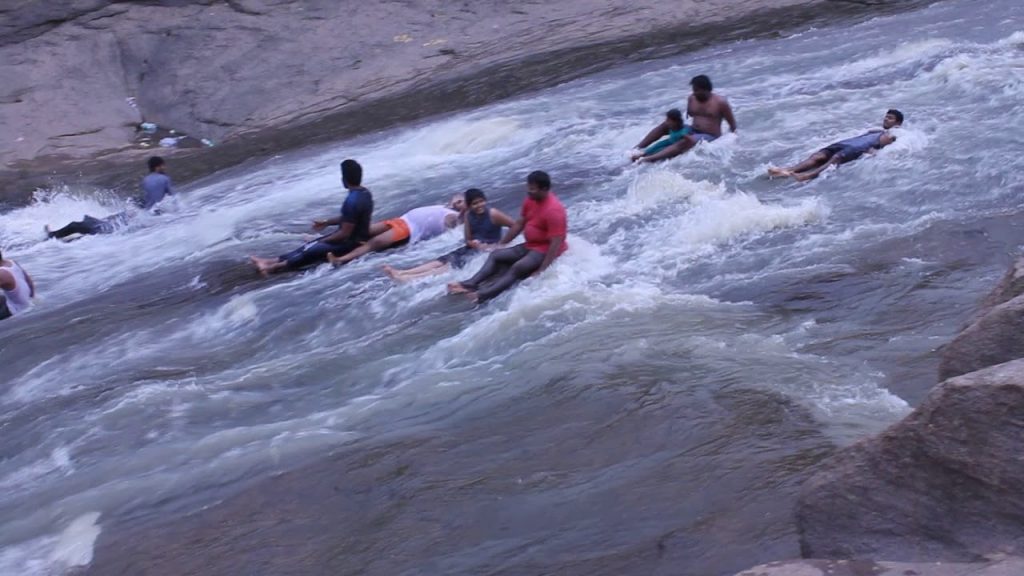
[{"x": 649, "y": 405}]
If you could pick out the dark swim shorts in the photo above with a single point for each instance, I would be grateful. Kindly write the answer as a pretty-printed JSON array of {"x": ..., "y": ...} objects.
[
  {"x": 457, "y": 258},
  {"x": 845, "y": 153}
]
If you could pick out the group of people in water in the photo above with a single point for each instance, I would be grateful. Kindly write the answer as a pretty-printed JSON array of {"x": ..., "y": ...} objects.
[
  {"x": 542, "y": 218},
  {"x": 542, "y": 221}
]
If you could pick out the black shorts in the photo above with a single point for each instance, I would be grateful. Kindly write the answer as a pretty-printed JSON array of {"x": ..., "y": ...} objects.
[
  {"x": 5, "y": 312},
  {"x": 844, "y": 153},
  {"x": 457, "y": 258}
]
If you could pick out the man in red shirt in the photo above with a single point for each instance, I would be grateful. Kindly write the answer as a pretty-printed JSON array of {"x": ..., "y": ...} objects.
[{"x": 543, "y": 223}]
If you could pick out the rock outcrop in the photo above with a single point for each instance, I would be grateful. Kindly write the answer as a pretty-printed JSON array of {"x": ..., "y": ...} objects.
[
  {"x": 945, "y": 483},
  {"x": 996, "y": 334},
  {"x": 998, "y": 567}
]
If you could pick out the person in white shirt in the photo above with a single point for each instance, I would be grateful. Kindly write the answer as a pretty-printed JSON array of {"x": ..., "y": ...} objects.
[
  {"x": 17, "y": 287},
  {"x": 418, "y": 224}
]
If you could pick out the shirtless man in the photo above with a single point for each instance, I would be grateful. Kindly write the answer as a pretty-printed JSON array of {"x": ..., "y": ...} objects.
[
  {"x": 707, "y": 111},
  {"x": 843, "y": 151}
]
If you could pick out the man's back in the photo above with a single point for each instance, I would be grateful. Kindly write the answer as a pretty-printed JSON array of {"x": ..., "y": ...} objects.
[
  {"x": 707, "y": 116},
  {"x": 155, "y": 186},
  {"x": 358, "y": 210}
]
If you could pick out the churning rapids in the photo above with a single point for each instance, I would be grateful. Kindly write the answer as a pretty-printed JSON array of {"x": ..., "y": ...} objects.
[{"x": 650, "y": 404}]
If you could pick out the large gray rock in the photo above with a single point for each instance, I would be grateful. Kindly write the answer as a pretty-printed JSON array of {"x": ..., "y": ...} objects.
[
  {"x": 998, "y": 567},
  {"x": 946, "y": 483},
  {"x": 997, "y": 333}
]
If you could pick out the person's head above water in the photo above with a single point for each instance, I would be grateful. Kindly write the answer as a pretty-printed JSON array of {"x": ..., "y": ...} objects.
[
  {"x": 701, "y": 87},
  {"x": 351, "y": 174},
  {"x": 156, "y": 164},
  {"x": 457, "y": 203},
  {"x": 675, "y": 119},
  {"x": 538, "y": 184},
  {"x": 476, "y": 200},
  {"x": 892, "y": 118}
]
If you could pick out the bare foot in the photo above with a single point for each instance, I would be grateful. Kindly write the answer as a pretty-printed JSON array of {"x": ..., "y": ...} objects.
[
  {"x": 390, "y": 271},
  {"x": 773, "y": 171},
  {"x": 262, "y": 265},
  {"x": 457, "y": 288},
  {"x": 334, "y": 260}
]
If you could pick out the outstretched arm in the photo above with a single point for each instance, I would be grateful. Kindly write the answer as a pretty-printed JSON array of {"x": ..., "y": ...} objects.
[
  {"x": 554, "y": 247},
  {"x": 31, "y": 284},
  {"x": 502, "y": 219},
  {"x": 727, "y": 114},
  {"x": 513, "y": 231},
  {"x": 653, "y": 136},
  {"x": 344, "y": 232},
  {"x": 321, "y": 224}
]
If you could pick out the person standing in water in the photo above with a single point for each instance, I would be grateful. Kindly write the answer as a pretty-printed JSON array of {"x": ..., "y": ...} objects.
[
  {"x": 669, "y": 132},
  {"x": 155, "y": 187},
  {"x": 414, "y": 226},
  {"x": 843, "y": 151},
  {"x": 707, "y": 112},
  {"x": 482, "y": 232},
  {"x": 353, "y": 228},
  {"x": 544, "y": 223},
  {"x": 17, "y": 287}
]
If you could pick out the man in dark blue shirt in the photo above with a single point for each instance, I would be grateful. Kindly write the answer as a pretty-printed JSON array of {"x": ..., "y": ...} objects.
[{"x": 353, "y": 228}]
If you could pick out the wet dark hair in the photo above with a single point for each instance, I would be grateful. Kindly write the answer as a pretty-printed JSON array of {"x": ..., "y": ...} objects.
[
  {"x": 701, "y": 82},
  {"x": 540, "y": 179},
  {"x": 897, "y": 114},
  {"x": 155, "y": 162},
  {"x": 474, "y": 194},
  {"x": 351, "y": 173},
  {"x": 674, "y": 114}
]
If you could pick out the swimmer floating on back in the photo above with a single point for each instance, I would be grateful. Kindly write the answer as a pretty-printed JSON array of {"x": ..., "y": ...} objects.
[{"x": 843, "y": 151}]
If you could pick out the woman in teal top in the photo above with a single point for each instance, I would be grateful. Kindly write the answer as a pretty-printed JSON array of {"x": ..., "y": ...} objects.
[{"x": 670, "y": 131}]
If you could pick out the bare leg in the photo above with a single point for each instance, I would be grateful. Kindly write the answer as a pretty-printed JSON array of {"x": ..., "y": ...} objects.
[
  {"x": 431, "y": 268},
  {"x": 378, "y": 228},
  {"x": 441, "y": 269},
  {"x": 672, "y": 150},
  {"x": 375, "y": 244},
  {"x": 815, "y": 160},
  {"x": 812, "y": 174}
]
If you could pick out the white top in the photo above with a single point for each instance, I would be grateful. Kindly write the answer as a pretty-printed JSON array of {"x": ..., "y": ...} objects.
[
  {"x": 19, "y": 299},
  {"x": 426, "y": 222}
]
